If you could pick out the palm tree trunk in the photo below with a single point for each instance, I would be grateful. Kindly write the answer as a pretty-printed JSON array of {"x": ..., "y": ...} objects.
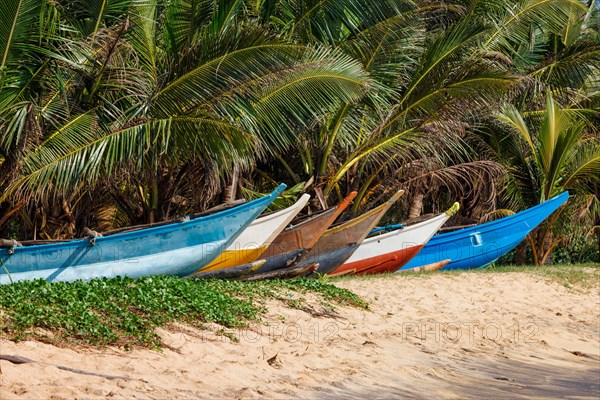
[
  {"x": 154, "y": 201},
  {"x": 521, "y": 253},
  {"x": 230, "y": 192},
  {"x": 533, "y": 243},
  {"x": 598, "y": 235},
  {"x": 416, "y": 205}
]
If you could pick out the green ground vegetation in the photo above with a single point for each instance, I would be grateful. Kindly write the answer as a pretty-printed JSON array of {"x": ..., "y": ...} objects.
[
  {"x": 573, "y": 276},
  {"x": 125, "y": 312}
]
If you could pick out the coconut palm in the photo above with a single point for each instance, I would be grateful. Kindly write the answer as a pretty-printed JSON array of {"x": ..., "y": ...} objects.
[
  {"x": 94, "y": 86},
  {"x": 555, "y": 152},
  {"x": 437, "y": 69},
  {"x": 561, "y": 65}
]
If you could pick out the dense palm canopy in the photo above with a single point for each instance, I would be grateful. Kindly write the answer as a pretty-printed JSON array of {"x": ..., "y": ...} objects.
[
  {"x": 558, "y": 154},
  {"x": 117, "y": 112}
]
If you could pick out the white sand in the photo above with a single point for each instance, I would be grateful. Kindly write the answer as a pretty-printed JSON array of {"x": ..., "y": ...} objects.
[{"x": 445, "y": 335}]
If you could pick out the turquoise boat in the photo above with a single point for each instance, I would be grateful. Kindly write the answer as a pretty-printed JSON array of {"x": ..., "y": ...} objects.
[
  {"x": 179, "y": 249},
  {"x": 481, "y": 245}
]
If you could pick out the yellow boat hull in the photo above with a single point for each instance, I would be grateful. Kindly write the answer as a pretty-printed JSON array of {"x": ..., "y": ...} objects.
[{"x": 232, "y": 258}]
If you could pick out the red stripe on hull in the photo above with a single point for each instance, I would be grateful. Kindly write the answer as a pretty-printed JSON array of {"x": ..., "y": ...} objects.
[{"x": 388, "y": 262}]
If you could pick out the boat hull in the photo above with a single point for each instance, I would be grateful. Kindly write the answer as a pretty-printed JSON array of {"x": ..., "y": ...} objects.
[
  {"x": 306, "y": 234},
  {"x": 481, "y": 245},
  {"x": 339, "y": 243},
  {"x": 230, "y": 273},
  {"x": 232, "y": 258},
  {"x": 300, "y": 238},
  {"x": 330, "y": 260},
  {"x": 389, "y": 262},
  {"x": 256, "y": 238},
  {"x": 292, "y": 272},
  {"x": 280, "y": 261},
  {"x": 390, "y": 251},
  {"x": 173, "y": 249}
]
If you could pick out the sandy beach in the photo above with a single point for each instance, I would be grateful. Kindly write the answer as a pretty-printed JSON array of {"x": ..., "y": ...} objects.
[{"x": 459, "y": 335}]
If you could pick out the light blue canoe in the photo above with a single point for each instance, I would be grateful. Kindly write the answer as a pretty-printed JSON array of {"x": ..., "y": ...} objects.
[
  {"x": 176, "y": 249},
  {"x": 481, "y": 245}
]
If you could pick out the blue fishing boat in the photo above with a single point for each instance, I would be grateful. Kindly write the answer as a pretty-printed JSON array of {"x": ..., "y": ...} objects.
[
  {"x": 179, "y": 249},
  {"x": 479, "y": 246}
]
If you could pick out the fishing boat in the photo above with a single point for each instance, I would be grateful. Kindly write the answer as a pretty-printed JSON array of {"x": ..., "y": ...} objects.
[
  {"x": 176, "y": 249},
  {"x": 255, "y": 239},
  {"x": 480, "y": 245},
  {"x": 339, "y": 243},
  {"x": 300, "y": 238},
  {"x": 389, "y": 251}
]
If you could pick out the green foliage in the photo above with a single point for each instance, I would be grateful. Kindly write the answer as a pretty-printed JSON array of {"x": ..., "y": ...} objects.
[
  {"x": 580, "y": 248},
  {"x": 133, "y": 104},
  {"x": 577, "y": 277},
  {"x": 145, "y": 85},
  {"x": 544, "y": 155},
  {"x": 125, "y": 311}
]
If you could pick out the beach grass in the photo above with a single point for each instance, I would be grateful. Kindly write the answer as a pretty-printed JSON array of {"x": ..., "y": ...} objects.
[
  {"x": 572, "y": 276},
  {"x": 126, "y": 312}
]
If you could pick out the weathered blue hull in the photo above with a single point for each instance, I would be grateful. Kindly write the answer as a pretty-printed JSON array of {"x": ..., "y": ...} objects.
[
  {"x": 174, "y": 249},
  {"x": 329, "y": 261},
  {"x": 279, "y": 261},
  {"x": 481, "y": 245}
]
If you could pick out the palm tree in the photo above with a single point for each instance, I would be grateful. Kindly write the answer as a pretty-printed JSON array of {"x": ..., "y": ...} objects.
[
  {"x": 438, "y": 69},
  {"x": 94, "y": 87},
  {"x": 561, "y": 64},
  {"x": 560, "y": 151}
]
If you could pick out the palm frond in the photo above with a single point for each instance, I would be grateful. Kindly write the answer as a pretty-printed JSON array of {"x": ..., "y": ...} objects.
[
  {"x": 66, "y": 162},
  {"x": 323, "y": 82},
  {"x": 522, "y": 20},
  {"x": 183, "y": 23},
  {"x": 225, "y": 14},
  {"x": 143, "y": 32},
  {"x": 331, "y": 21},
  {"x": 17, "y": 20}
]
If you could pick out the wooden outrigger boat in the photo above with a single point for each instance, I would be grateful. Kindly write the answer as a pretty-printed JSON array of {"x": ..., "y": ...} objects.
[
  {"x": 300, "y": 238},
  {"x": 389, "y": 251},
  {"x": 179, "y": 248},
  {"x": 481, "y": 245},
  {"x": 339, "y": 243},
  {"x": 255, "y": 239}
]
